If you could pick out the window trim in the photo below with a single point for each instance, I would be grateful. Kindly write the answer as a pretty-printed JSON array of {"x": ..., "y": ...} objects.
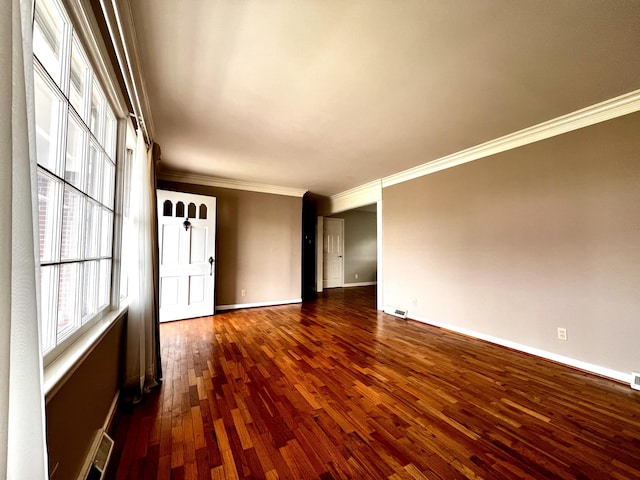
[{"x": 64, "y": 358}]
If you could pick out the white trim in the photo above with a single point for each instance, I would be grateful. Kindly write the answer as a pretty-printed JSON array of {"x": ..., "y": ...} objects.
[
  {"x": 356, "y": 197},
  {"x": 112, "y": 412},
  {"x": 572, "y": 362},
  {"x": 236, "y": 306},
  {"x": 600, "y": 112},
  {"x": 119, "y": 21},
  {"x": 198, "y": 179},
  {"x": 359, "y": 284},
  {"x": 124, "y": 16},
  {"x": 380, "y": 276}
]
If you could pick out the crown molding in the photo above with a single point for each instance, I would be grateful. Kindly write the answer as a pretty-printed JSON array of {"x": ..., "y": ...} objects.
[
  {"x": 600, "y": 112},
  {"x": 197, "y": 179},
  {"x": 355, "y": 197}
]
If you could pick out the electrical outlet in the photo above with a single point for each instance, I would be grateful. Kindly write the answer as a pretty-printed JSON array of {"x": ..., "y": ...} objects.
[
  {"x": 414, "y": 302},
  {"x": 356, "y": 275},
  {"x": 562, "y": 333},
  {"x": 244, "y": 292}
]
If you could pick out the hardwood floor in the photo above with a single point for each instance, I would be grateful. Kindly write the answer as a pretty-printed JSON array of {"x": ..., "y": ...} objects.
[{"x": 334, "y": 389}]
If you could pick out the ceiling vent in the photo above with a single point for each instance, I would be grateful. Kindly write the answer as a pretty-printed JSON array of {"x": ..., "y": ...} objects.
[{"x": 396, "y": 312}]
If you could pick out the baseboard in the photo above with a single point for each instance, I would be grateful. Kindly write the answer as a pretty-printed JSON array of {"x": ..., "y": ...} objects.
[
  {"x": 112, "y": 412},
  {"x": 571, "y": 362},
  {"x": 359, "y": 284},
  {"x": 237, "y": 306}
]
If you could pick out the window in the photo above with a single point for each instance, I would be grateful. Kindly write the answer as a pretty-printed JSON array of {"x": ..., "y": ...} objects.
[{"x": 76, "y": 145}]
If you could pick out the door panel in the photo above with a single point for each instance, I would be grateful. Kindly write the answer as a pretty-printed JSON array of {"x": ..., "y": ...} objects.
[
  {"x": 187, "y": 279},
  {"x": 333, "y": 252},
  {"x": 198, "y": 245},
  {"x": 171, "y": 241},
  {"x": 169, "y": 291}
]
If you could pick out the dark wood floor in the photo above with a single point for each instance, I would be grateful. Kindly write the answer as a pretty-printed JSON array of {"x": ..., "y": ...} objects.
[{"x": 334, "y": 389}]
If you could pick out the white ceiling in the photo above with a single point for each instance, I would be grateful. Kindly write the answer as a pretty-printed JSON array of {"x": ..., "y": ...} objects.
[{"x": 326, "y": 95}]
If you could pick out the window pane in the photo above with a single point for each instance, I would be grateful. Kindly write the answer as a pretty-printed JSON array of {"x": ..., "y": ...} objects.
[
  {"x": 94, "y": 172},
  {"x": 47, "y": 106},
  {"x": 68, "y": 295},
  {"x": 97, "y": 112},
  {"x": 48, "y": 33},
  {"x": 105, "y": 283},
  {"x": 75, "y": 151},
  {"x": 71, "y": 225},
  {"x": 48, "y": 300},
  {"x": 76, "y": 148},
  {"x": 79, "y": 80},
  {"x": 92, "y": 227},
  {"x": 90, "y": 297},
  {"x": 49, "y": 198},
  {"x": 108, "y": 176},
  {"x": 106, "y": 233},
  {"x": 110, "y": 136}
]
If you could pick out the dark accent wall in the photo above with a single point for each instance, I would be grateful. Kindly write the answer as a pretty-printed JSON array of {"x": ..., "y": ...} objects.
[{"x": 309, "y": 224}]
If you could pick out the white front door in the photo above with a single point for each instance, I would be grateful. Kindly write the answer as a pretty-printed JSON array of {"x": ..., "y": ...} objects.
[
  {"x": 333, "y": 252},
  {"x": 187, "y": 252}
]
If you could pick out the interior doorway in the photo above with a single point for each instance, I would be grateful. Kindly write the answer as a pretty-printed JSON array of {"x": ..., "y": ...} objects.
[{"x": 361, "y": 249}]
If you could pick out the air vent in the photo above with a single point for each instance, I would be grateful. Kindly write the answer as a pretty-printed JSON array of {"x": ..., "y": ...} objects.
[
  {"x": 635, "y": 380},
  {"x": 397, "y": 312},
  {"x": 100, "y": 458}
]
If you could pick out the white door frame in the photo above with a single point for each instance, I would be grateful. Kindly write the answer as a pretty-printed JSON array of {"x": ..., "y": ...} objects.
[
  {"x": 188, "y": 270},
  {"x": 320, "y": 250}
]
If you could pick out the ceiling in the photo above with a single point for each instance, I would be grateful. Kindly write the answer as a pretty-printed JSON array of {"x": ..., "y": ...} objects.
[{"x": 326, "y": 95}]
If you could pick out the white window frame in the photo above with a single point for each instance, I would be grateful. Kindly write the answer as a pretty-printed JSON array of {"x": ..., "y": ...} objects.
[{"x": 81, "y": 27}]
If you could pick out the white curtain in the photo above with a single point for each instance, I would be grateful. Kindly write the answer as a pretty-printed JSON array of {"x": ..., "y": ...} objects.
[
  {"x": 23, "y": 453},
  {"x": 141, "y": 361}
]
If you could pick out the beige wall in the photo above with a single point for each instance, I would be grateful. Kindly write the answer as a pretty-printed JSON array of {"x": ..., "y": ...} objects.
[
  {"x": 520, "y": 243},
  {"x": 360, "y": 250},
  {"x": 80, "y": 407},
  {"x": 259, "y": 239}
]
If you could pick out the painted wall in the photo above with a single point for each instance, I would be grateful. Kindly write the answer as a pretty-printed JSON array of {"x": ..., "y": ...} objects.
[
  {"x": 259, "y": 238},
  {"x": 360, "y": 246},
  {"x": 523, "y": 242},
  {"x": 80, "y": 407}
]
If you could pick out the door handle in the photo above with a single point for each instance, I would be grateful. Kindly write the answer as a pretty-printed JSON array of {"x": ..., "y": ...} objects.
[{"x": 211, "y": 260}]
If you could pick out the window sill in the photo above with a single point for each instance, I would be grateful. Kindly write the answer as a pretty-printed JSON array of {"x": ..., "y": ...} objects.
[{"x": 60, "y": 369}]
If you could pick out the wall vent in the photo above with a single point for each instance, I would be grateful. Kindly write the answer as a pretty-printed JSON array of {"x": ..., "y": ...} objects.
[
  {"x": 635, "y": 380},
  {"x": 99, "y": 459},
  {"x": 397, "y": 312}
]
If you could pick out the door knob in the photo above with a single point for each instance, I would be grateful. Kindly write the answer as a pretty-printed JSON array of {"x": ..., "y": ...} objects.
[{"x": 211, "y": 260}]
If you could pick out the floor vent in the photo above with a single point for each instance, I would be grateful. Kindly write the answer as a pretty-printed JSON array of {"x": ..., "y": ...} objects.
[
  {"x": 100, "y": 459},
  {"x": 397, "y": 312},
  {"x": 635, "y": 380}
]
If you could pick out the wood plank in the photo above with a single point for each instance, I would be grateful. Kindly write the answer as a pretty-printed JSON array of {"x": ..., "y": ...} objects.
[{"x": 333, "y": 389}]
